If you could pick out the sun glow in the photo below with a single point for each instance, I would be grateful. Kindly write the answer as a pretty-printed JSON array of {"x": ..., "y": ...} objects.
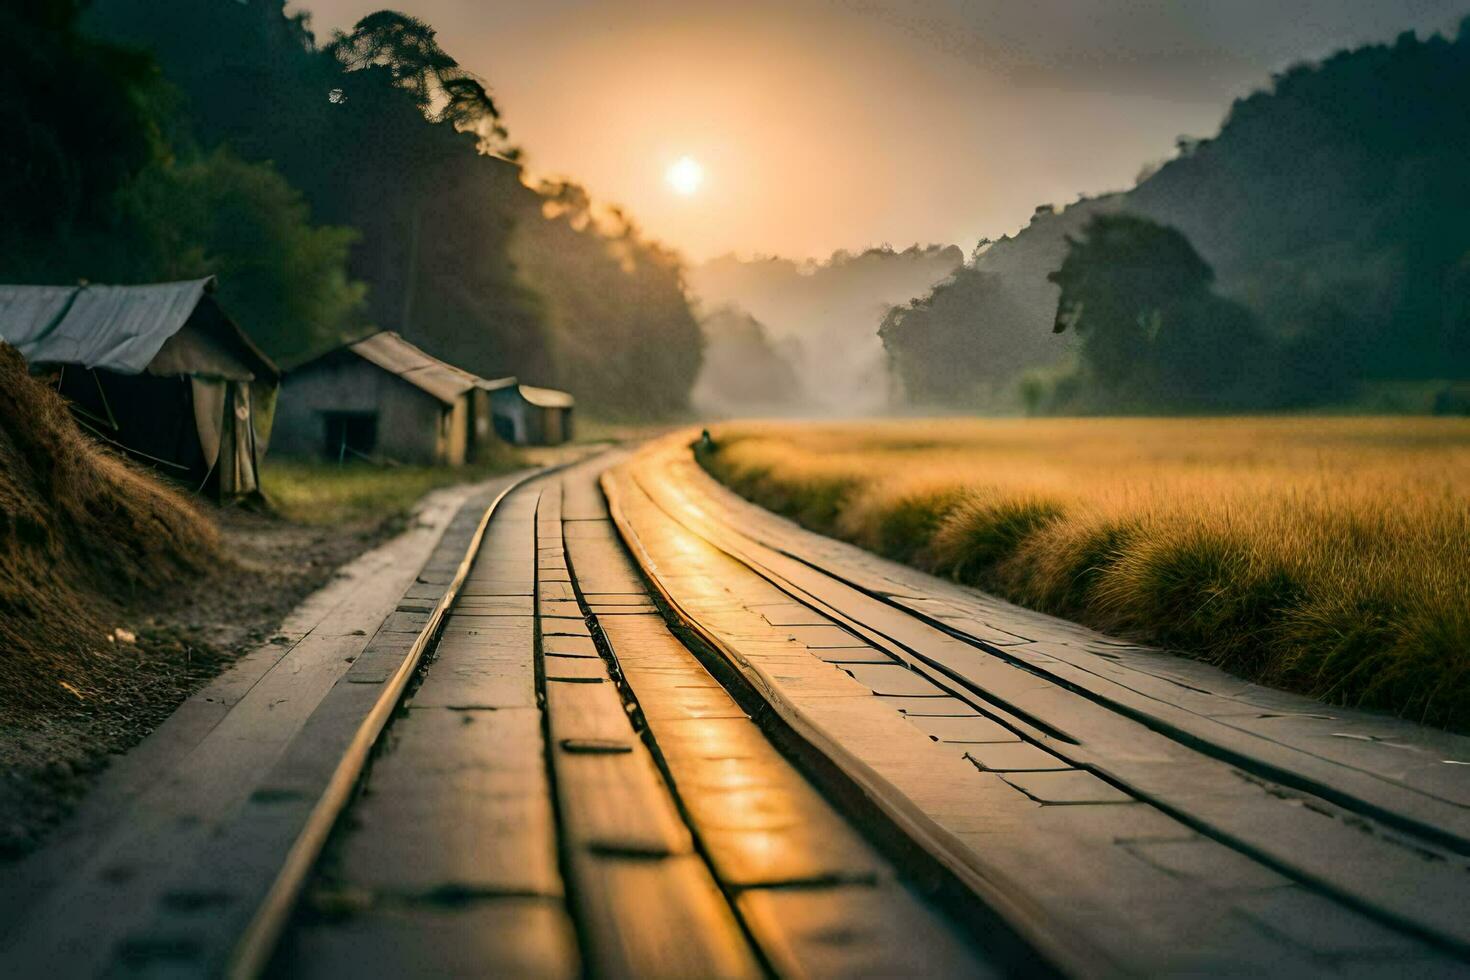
[{"x": 685, "y": 176}]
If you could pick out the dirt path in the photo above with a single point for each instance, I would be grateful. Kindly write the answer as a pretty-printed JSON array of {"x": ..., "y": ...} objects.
[{"x": 183, "y": 638}]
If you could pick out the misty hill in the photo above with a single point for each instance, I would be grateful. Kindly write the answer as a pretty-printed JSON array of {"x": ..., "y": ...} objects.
[
  {"x": 829, "y": 311},
  {"x": 1333, "y": 205},
  {"x": 744, "y": 371}
]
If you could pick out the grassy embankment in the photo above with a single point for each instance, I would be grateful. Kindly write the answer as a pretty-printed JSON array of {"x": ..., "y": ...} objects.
[
  {"x": 1328, "y": 556},
  {"x": 324, "y": 493}
]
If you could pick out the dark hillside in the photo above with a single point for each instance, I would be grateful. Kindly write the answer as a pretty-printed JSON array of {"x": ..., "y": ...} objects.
[
  {"x": 1337, "y": 201},
  {"x": 1332, "y": 204},
  {"x": 383, "y": 132}
]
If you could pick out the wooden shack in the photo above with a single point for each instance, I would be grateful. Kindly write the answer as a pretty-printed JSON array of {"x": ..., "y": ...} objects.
[
  {"x": 158, "y": 371},
  {"x": 528, "y": 416},
  {"x": 379, "y": 399}
]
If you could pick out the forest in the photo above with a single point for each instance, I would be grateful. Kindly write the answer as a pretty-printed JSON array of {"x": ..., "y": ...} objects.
[
  {"x": 334, "y": 185},
  {"x": 1312, "y": 254}
]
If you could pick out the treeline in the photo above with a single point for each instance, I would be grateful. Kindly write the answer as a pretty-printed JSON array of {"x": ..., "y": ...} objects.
[
  {"x": 1317, "y": 247},
  {"x": 821, "y": 316},
  {"x": 367, "y": 181},
  {"x": 745, "y": 371}
]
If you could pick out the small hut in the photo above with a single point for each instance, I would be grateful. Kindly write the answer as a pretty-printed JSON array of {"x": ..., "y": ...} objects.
[
  {"x": 529, "y": 416},
  {"x": 380, "y": 398},
  {"x": 158, "y": 370}
]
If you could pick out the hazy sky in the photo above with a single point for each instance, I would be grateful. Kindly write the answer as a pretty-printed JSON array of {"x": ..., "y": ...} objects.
[{"x": 824, "y": 124}]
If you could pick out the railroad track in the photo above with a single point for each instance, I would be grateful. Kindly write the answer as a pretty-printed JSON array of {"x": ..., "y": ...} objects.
[
  {"x": 570, "y": 790},
  {"x": 624, "y": 724},
  {"x": 1158, "y": 814},
  {"x": 523, "y": 773}
]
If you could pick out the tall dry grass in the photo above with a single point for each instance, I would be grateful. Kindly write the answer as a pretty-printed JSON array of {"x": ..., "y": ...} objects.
[{"x": 1325, "y": 555}]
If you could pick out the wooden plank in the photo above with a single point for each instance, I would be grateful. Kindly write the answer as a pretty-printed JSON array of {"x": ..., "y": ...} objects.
[
  {"x": 893, "y": 680},
  {"x": 68, "y": 917},
  {"x": 964, "y": 730},
  {"x": 610, "y": 800},
  {"x": 558, "y": 645},
  {"x": 559, "y": 609},
  {"x": 508, "y": 937},
  {"x": 575, "y": 670},
  {"x": 1014, "y": 757},
  {"x": 495, "y": 674},
  {"x": 765, "y": 829},
  {"x": 459, "y": 801},
  {"x": 659, "y": 918},
  {"x": 811, "y": 934},
  {"x": 480, "y": 605},
  {"x": 647, "y": 903}
]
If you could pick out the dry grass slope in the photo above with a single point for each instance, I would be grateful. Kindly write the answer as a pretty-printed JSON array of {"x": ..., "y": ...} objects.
[
  {"x": 81, "y": 532},
  {"x": 1329, "y": 556}
]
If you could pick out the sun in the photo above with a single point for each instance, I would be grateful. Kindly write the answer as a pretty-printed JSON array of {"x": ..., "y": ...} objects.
[{"x": 685, "y": 176}]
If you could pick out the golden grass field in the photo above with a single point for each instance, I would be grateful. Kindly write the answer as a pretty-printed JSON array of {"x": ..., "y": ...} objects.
[{"x": 1325, "y": 555}]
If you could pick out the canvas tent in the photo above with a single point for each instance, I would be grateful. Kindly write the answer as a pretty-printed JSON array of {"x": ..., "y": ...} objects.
[
  {"x": 159, "y": 370},
  {"x": 530, "y": 416},
  {"x": 382, "y": 398}
]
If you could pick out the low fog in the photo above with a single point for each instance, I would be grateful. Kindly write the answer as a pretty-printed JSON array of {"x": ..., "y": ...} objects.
[{"x": 820, "y": 318}]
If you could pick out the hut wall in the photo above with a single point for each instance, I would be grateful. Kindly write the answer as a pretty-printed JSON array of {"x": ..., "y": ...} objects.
[
  {"x": 346, "y": 385},
  {"x": 411, "y": 425},
  {"x": 552, "y": 420},
  {"x": 414, "y": 426},
  {"x": 559, "y": 426}
]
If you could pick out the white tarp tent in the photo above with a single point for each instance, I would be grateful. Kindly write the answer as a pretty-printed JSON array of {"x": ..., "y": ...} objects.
[{"x": 158, "y": 369}]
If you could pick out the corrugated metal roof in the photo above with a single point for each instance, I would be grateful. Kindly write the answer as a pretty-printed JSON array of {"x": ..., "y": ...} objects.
[
  {"x": 392, "y": 353},
  {"x": 547, "y": 397},
  {"x": 120, "y": 328}
]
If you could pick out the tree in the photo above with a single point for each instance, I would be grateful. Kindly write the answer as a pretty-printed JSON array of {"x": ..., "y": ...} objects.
[
  {"x": 384, "y": 132},
  {"x": 1153, "y": 334},
  {"x": 120, "y": 193},
  {"x": 281, "y": 278},
  {"x": 624, "y": 336},
  {"x": 408, "y": 50},
  {"x": 961, "y": 342},
  {"x": 79, "y": 123}
]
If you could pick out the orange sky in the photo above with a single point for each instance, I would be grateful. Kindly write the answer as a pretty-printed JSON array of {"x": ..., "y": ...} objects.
[{"x": 825, "y": 124}]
